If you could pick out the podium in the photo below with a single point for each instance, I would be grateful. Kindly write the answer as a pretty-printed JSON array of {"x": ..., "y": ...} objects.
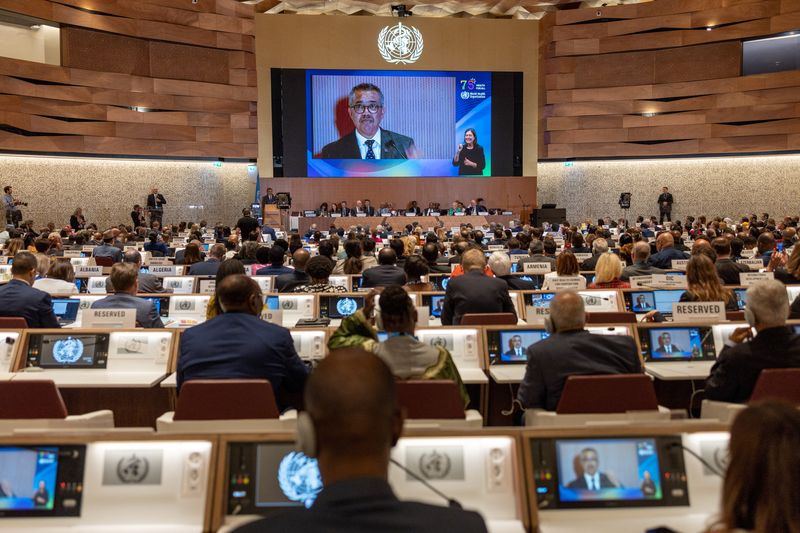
[
  {"x": 271, "y": 216},
  {"x": 555, "y": 215}
]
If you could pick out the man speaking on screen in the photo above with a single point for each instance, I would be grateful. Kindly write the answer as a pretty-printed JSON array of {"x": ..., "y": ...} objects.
[{"x": 369, "y": 140}]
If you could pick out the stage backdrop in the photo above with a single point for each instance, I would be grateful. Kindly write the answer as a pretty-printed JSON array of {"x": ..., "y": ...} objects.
[{"x": 303, "y": 42}]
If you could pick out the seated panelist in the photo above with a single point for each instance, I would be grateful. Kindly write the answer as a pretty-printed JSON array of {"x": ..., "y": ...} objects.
[
  {"x": 239, "y": 345},
  {"x": 571, "y": 350},
  {"x": 407, "y": 357},
  {"x": 125, "y": 280},
  {"x": 350, "y": 430}
]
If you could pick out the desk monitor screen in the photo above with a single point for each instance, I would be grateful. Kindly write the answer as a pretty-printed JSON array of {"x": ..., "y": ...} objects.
[
  {"x": 273, "y": 303},
  {"x": 610, "y": 472},
  {"x": 741, "y": 298},
  {"x": 269, "y": 478},
  {"x": 41, "y": 481},
  {"x": 796, "y": 328},
  {"x": 640, "y": 302},
  {"x": 339, "y": 306},
  {"x": 161, "y": 304},
  {"x": 68, "y": 351},
  {"x": 510, "y": 346},
  {"x": 66, "y": 310},
  {"x": 440, "y": 282},
  {"x": 435, "y": 304},
  {"x": 539, "y": 299},
  {"x": 684, "y": 343},
  {"x": 665, "y": 298}
]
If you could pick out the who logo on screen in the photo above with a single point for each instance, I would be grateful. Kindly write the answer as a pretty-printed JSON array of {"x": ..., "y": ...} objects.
[{"x": 400, "y": 44}]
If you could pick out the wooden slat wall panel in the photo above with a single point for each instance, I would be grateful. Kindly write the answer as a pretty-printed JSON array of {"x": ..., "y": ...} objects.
[
  {"x": 608, "y": 69},
  {"x": 191, "y": 64}
]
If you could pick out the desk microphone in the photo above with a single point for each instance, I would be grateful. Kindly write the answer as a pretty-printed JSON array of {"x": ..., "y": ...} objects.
[
  {"x": 450, "y": 501},
  {"x": 390, "y": 144},
  {"x": 705, "y": 463}
]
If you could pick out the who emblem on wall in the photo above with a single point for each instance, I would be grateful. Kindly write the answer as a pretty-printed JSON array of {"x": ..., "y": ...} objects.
[{"x": 400, "y": 44}]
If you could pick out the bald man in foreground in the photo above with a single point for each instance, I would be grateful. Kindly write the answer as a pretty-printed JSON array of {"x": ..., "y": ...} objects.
[
  {"x": 571, "y": 350},
  {"x": 354, "y": 428}
]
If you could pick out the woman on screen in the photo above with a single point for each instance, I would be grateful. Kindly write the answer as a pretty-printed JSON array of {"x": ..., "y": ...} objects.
[
  {"x": 761, "y": 491},
  {"x": 469, "y": 156}
]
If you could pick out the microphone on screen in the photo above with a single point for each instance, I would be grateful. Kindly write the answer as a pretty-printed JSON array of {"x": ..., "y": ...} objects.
[
  {"x": 390, "y": 144},
  {"x": 451, "y": 502}
]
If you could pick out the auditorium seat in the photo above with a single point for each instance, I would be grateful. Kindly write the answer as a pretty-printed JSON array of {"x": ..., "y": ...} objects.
[
  {"x": 735, "y": 316},
  {"x": 434, "y": 404},
  {"x": 37, "y": 405},
  {"x": 773, "y": 384},
  {"x": 225, "y": 406},
  {"x": 13, "y": 322},
  {"x": 104, "y": 261},
  {"x": 601, "y": 399},
  {"x": 488, "y": 319}
]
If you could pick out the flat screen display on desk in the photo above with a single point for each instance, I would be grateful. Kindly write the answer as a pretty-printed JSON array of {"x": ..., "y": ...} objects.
[
  {"x": 678, "y": 343},
  {"x": 68, "y": 351},
  {"x": 510, "y": 346},
  {"x": 37, "y": 481},
  {"x": 610, "y": 472},
  {"x": 435, "y": 305},
  {"x": 539, "y": 299},
  {"x": 269, "y": 478},
  {"x": 339, "y": 306},
  {"x": 66, "y": 310},
  {"x": 660, "y": 300}
]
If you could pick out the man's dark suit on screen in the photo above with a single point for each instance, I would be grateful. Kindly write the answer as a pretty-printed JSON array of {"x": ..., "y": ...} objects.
[
  {"x": 17, "y": 298},
  {"x": 383, "y": 276},
  {"x": 393, "y": 146},
  {"x": 580, "y": 482},
  {"x": 474, "y": 292},
  {"x": 734, "y": 375},
  {"x": 367, "y": 505},
  {"x": 552, "y": 360}
]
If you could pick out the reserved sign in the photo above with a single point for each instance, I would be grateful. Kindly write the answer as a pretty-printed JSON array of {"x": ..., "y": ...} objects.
[
  {"x": 108, "y": 318},
  {"x": 747, "y": 279},
  {"x": 693, "y": 311},
  {"x": 536, "y": 314}
]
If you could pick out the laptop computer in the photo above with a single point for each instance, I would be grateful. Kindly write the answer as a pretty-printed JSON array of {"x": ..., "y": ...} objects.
[{"x": 66, "y": 310}]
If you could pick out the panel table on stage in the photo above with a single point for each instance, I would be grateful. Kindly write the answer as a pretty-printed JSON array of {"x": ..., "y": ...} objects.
[{"x": 323, "y": 223}]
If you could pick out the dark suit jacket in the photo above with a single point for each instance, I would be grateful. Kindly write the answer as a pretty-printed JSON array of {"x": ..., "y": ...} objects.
[
  {"x": 367, "y": 505},
  {"x": 573, "y": 353},
  {"x": 474, "y": 292},
  {"x": 347, "y": 147},
  {"x": 639, "y": 269},
  {"x": 108, "y": 250},
  {"x": 270, "y": 270},
  {"x": 17, "y": 298},
  {"x": 795, "y": 309},
  {"x": 206, "y": 268},
  {"x": 516, "y": 284},
  {"x": 287, "y": 282},
  {"x": 580, "y": 482},
  {"x": 383, "y": 276},
  {"x": 734, "y": 375},
  {"x": 590, "y": 263},
  {"x": 663, "y": 259},
  {"x": 240, "y": 346},
  {"x": 728, "y": 271},
  {"x": 146, "y": 315},
  {"x": 151, "y": 201},
  {"x": 148, "y": 283}
]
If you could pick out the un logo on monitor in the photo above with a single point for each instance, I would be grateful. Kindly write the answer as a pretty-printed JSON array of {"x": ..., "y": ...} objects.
[{"x": 400, "y": 44}]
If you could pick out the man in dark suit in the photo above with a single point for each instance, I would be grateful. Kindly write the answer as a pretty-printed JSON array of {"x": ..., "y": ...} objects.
[
  {"x": 736, "y": 371},
  {"x": 592, "y": 478},
  {"x": 641, "y": 266},
  {"x": 209, "y": 267},
  {"x": 386, "y": 273},
  {"x": 148, "y": 283},
  {"x": 500, "y": 264},
  {"x": 19, "y": 299},
  {"x": 344, "y": 210},
  {"x": 369, "y": 140},
  {"x": 155, "y": 204},
  {"x": 540, "y": 252},
  {"x": 430, "y": 252},
  {"x": 277, "y": 256},
  {"x": 795, "y": 309},
  {"x": 665, "y": 205},
  {"x": 350, "y": 431},
  {"x": 107, "y": 249},
  {"x": 516, "y": 351},
  {"x": 474, "y": 292},
  {"x": 665, "y": 346},
  {"x": 239, "y": 345},
  {"x": 599, "y": 247},
  {"x": 728, "y": 270},
  {"x": 665, "y": 245},
  {"x": 124, "y": 278},
  {"x": 298, "y": 276},
  {"x": 368, "y": 209},
  {"x": 571, "y": 350}
]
